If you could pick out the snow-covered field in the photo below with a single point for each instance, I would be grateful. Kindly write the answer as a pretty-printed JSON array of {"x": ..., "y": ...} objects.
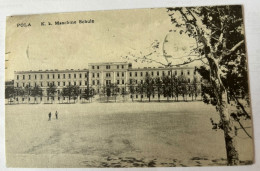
[{"x": 116, "y": 135}]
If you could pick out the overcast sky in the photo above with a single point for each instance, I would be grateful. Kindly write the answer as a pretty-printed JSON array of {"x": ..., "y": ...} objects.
[{"x": 112, "y": 35}]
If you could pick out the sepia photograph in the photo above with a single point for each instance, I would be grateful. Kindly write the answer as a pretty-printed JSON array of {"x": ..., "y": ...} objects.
[{"x": 136, "y": 88}]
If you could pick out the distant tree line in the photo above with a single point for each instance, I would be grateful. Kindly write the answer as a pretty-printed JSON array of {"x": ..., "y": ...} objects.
[
  {"x": 166, "y": 86},
  {"x": 70, "y": 92}
]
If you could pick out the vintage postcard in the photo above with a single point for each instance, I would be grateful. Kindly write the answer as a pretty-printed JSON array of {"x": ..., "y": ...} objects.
[{"x": 163, "y": 87}]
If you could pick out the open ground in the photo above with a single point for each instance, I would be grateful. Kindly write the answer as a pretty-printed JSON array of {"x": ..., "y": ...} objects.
[{"x": 117, "y": 135}]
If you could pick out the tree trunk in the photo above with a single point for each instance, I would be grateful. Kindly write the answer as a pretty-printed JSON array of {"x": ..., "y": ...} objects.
[{"x": 229, "y": 131}]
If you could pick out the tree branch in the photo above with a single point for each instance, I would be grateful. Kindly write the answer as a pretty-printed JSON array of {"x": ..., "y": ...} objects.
[
  {"x": 241, "y": 106},
  {"x": 244, "y": 129},
  {"x": 234, "y": 48}
]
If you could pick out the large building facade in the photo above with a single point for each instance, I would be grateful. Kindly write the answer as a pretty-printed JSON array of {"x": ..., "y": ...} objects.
[
  {"x": 96, "y": 76},
  {"x": 123, "y": 74}
]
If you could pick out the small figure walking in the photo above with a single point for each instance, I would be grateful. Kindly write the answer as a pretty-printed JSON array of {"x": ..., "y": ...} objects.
[
  {"x": 56, "y": 114},
  {"x": 49, "y": 116}
]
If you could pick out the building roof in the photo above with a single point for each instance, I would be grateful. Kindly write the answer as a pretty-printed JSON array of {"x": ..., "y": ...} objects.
[
  {"x": 51, "y": 71},
  {"x": 108, "y": 63}
]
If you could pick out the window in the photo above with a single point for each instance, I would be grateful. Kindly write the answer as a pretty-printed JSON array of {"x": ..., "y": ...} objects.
[
  {"x": 136, "y": 96},
  {"x": 107, "y": 66},
  {"x": 53, "y": 83},
  {"x": 130, "y": 74},
  {"x": 69, "y": 83},
  {"x": 158, "y": 73},
  {"x": 64, "y": 83},
  {"x": 152, "y": 73},
  {"x": 29, "y": 77},
  {"x": 117, "y": 74},
  {"x": 123, "y": 74},
  {"x": 86, "y": 75},
  {"x": 23, "y": 77},
  {"x": 58, "y": 83},
  {"x": 23, "y": 84},
  {"x": 175, "y": 72},
  {"x": 97, "y": 82},
  {"x": 48, "y": 76},
  {"x": 17, "y": 84},
  {"x": 69, "y": 75},
  {"x": 122, "y": 66},
  {"x": 64, "y": 75},
  {"x": 108, "y": 82},
  {"x": 98, "y": 75},
  {"x": 163, "y": 73},
  {"x": 35, "y": 84},
  {"x": 188, "y": 72},
  {"x": 41, "y": 76},
  {"x": 41, "y": 84},
  {"x": 181, "y": 72},
  {"x": 136, "y": 74},
  {"x": 79, "y": 75},
  {"x": 131, "y": 81},
  {"x": 93, "y": 67},
  {"x": 135, "y": 81},
  {"x": 188, "y": 80},
  {"x": 108, "y": 75},
  {"x": 75, "y": 75},
  {"x": 141, "y": 73},
  {"x": 93, "y": 75},
  {"x": 75, "y": 83},
  {"x": 53, "y": 76},
  {"x": 97, "y": 67},
  {"x": 35, "y": 76},
  {"x": 93, "y": 82},
  {"x": 119, "y": 83},
  {"x": 29, "y": 84},
  {"x": 117, "y": 66},
  {"x": 141, "y": 81},
  {"x": 169, "y": 72},
  {"x": 58, "y": 76},
  {"x": 123, "y": 81},
  {"x": 48, "y": 83},
  {"x": 86, "y": 82},
  {"x": 146, "y": 73},
  {"x": 80, "y": 83},
  {"x": 17, "y": 77}
]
